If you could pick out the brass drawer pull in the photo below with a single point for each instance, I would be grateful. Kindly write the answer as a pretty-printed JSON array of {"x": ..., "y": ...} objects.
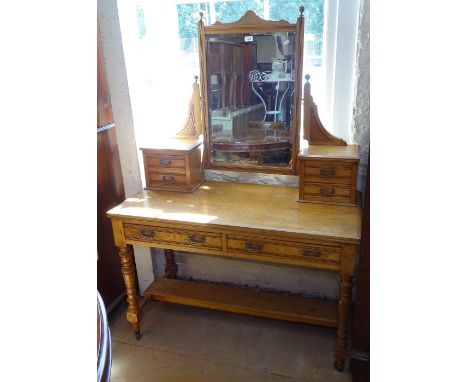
[
  {"x": 168, "y": 179},
  {"x": 327, "y": 191},
  {"x": 312, "y": 252},
  {"x": 165, "y": 162},
  {"x": 196, "y": 239},
  {"x": 147, "y": 233},
  {"x": 253, "y": 247},
  {"x": 327, "y": 171}
]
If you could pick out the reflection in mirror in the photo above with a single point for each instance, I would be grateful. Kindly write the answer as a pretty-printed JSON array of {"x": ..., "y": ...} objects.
[{"x": 251, "y": 98}]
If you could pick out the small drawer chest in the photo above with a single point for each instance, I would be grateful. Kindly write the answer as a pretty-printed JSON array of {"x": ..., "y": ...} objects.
[
  {"x": 328, "y": 174},
  {"x": 174, "y": 165}
]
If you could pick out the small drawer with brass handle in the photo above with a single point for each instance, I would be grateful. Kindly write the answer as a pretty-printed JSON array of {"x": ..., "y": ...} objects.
[
  {"x": 196, "y": 239},
  {"x": 253, "y": 247},
  {"x": 329, "y": 173},
  {"x": 165, "y": 161},
  {"x": 147, "y": 233},
  {"x": 312, "y": 253},
  {"x": 338, "y": 192},
  {"x": 166, "y": 178}
]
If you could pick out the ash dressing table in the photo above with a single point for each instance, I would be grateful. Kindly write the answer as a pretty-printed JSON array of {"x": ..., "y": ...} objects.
[
  {"x": 260, "y": 223},
  {"x": 263, "y": 223}
]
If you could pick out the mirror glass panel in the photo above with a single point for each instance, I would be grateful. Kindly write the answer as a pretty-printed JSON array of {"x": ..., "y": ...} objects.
[{"x": 251, "y": 98}]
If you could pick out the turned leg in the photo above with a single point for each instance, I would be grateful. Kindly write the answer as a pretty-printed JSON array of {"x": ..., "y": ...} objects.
[
  {"x": 341, "y": 345},
  {"x": 128, "y": 273},
  {"x": 171, "y": 266}
]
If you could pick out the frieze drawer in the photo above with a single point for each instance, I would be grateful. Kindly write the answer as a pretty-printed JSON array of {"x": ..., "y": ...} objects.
[
  {"x": 305, "y": 252},
  {"x": 177, "y": 237}
]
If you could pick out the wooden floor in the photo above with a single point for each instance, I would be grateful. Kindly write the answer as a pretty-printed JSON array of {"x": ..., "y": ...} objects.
[
  {"x": 237, "y": 300},
  {"x": 182, "y": 343}
]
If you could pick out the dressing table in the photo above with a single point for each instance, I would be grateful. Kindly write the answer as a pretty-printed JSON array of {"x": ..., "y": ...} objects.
[
  {"x": 252, "y": 222},
  {"x": 280, "y": 231}
]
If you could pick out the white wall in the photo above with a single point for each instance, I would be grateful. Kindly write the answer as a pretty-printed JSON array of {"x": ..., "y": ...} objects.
[
  {"x": 108, "y": 19},
  {"x": 361, "y": 104},
  {"x": 308, "y": 282},
  {"x": 339, "y": 55}
]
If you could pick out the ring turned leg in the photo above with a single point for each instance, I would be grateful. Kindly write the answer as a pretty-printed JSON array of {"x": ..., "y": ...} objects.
[
  {"x": 171, "y": 266},
  {"x": 128, "y": 273},
  {"x": 341, "y": 345}
]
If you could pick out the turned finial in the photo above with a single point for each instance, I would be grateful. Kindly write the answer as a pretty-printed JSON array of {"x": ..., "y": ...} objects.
[
  {"x": 196, "y": 78},
  {"x": 201, "y": 15},
  {"x": 301, "y": 10},
  {"x": 307, "y": 77}
]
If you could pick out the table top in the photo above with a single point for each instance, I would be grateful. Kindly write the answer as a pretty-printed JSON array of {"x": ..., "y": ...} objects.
[
  {"x": 239, "y": 205},
  {"x": 349, "y": 152},
  {"x": 178, "y": 144}
]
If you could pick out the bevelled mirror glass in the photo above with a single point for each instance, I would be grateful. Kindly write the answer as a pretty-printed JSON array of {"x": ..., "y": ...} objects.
[{"x": 250, "y": 95}]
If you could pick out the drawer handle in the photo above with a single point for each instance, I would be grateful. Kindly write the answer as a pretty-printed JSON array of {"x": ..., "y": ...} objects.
[
  {"x": 147, "y": 233},
  {"x": 312, "y": 252},
  {"x": 327, "y": 191},
  {"x": 253, "y": 247},
  {"x": 327, "y": 171},
  {"x": 196, "y": 239},
  {"x": 168, "y": 179},
  {"x": 165, "y": 162}
]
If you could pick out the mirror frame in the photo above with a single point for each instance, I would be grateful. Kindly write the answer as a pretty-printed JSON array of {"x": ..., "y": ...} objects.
[{"x": 251, "y": 23}]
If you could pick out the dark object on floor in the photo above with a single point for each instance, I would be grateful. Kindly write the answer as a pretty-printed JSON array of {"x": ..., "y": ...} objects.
[{"x": 104, "y": 353}]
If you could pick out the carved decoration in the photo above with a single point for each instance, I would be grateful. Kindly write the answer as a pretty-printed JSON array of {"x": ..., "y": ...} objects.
[
  {"x": 192, "y": 127},
  {"x": 314, "y": 131},
  {"x": 251, "y": 18}
]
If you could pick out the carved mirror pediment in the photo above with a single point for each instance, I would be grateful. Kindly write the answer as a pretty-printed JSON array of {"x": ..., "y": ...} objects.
[{"x": 251, "y": 90}]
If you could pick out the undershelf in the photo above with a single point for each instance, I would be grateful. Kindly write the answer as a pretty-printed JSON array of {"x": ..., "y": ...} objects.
[{"x": 244, "y": 301}]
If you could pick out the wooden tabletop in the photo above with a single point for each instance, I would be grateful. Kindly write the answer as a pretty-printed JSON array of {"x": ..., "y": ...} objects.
[
  {"x": 241, "y": 205},
  {"x": 350, "y": 152},
  {"x": 179, "y": 144}
]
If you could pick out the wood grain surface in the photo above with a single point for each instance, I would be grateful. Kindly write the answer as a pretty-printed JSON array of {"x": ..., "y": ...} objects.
[
  {"x": 238, "y": 300},
  {"x": 237, "y": 205},
  {"x": 349, "y": 152}
]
